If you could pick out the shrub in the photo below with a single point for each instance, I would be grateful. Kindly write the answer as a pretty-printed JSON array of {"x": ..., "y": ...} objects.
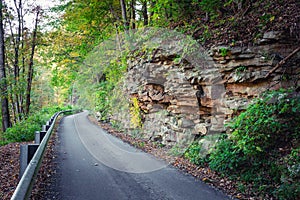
[
  {"x": 270, "y": 121},
  {"x": 198, "y": 152},
  {"x": 290, "y": 176},
  {"x": 25, "y": 129},
  {"x": 258, "y": 151},
  {"x": 193, "y": 154},
  {"x": 226, "y": 159}
]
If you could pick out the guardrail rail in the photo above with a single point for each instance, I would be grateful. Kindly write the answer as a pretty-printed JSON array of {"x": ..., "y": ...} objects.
[{"x": 31, "y": 156}]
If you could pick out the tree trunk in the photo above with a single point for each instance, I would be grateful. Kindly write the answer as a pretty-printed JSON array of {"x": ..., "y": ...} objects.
[
  {"x": 124, "y": 14},
  {"x": 145, "y": 13},
  {"x": 16, "y": 40},
  {"x": 3, "y": 86},
  {"x": 30, "y": 67},
  {"x": 16, "y": 63},
  {"x": 133, "y": 15}
]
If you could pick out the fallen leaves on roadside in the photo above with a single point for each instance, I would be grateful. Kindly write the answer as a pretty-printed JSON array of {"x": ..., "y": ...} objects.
[
  {"x": 9, "y": 169},
  {"x": 202, "y": 173}
]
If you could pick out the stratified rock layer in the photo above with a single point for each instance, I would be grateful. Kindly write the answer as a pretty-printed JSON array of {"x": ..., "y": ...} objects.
[{"x": 183, "y": 95}]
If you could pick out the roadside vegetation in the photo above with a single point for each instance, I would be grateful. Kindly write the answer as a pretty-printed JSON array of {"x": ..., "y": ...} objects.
[
  {"x": 24, "y": 130},
  {"x": 261, "y": 152},
  {"x": 89, "y": 26}
]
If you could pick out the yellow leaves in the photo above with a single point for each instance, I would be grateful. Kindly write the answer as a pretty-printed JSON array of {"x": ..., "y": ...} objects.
[
  {"x": 74, "y": 54},
  {"x": 94, "y": 23},
  {"x": 86, "y": 32},
  {"x": 136, "y": 119},
  {"x": 205, "y": 179},
  {"x": 272, "y": 18},
  {"x": 67, "y": 61}
]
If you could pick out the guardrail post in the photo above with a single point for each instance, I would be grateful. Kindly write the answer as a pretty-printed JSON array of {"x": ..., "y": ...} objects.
[
  {"x": 48, "y": 124},
  {"x": 42, "y": 135},
  {"x": 23, "y": 159},
  {"x": 45, "y": 127},
  {"x": 26, "y": 154},
  {"x": 39, "y": 135},
  {"x": 32, "y": 154}
]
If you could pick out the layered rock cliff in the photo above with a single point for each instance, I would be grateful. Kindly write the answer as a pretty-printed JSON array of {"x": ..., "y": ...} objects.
[{"x": 185, "y": 91}]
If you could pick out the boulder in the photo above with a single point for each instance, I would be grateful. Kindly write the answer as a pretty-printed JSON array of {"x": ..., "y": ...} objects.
[{"x": 200, "y": 129}]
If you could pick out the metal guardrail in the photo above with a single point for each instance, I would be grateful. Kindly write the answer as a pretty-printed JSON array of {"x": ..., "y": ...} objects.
[{"x": 32, "y": 165}]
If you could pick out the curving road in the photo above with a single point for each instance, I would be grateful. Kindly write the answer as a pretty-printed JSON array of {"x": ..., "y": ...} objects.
[{"x": 95, "y": 165}]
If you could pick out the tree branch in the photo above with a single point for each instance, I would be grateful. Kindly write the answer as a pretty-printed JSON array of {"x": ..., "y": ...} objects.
[{"x": 282, "y": 62}]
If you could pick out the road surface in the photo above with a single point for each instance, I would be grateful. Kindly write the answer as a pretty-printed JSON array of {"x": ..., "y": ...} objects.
[{"x": 95, "y": 165}]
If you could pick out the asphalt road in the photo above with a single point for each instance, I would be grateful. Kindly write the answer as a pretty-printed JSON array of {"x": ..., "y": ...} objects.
[{"x": 95, "y": 165}]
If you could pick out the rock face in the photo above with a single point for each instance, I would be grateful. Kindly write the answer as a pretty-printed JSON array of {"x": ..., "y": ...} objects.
[{"x": 185, "y": 96}]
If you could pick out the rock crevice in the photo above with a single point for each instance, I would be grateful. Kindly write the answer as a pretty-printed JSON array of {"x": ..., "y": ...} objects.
[{"x": 195, "y": 94}]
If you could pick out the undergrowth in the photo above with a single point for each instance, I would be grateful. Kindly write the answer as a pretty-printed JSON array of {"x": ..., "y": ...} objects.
[
  {"x": 262, "y": 152},
  {"x": 25, "y": 129}
]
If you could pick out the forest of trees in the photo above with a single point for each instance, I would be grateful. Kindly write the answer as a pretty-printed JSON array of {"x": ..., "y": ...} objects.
[
  {"x": 47, "y": 59},
  {"x": 39, "y": 65},
  {"x": 44, "y": 48},
  {"x": 18, "y": 44}
]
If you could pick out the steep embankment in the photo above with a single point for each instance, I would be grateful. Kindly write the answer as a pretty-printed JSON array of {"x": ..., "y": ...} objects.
[
  {"x": 181, "y": 91},
  {"x": 182, "y": 94}
]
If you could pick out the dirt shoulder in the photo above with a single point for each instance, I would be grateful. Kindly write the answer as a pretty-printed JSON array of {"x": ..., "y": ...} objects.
[
  {"x": 45, "y": 178},
  {"x": 202, "y": 173}
]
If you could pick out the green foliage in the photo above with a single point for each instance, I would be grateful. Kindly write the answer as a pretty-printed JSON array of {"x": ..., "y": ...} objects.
[
  {"x": 269, "y": 122},
  {"x": 166, "y": 11},
  {"x": 254, "y": 150},
  {"x": 198, "y": 152},
  {"x": 210, "y": 6},
  {"x": 265, "y": 19},
  {"x": 225, "y": 158},
  {"x": 240, "y": 69},
  {"x": 25, "y": 130},
  {"x": 290, "y": 176},
  {"x": 206, "y": 34},
  {"x": 193, "y": 154},
  {"x": 223, "y": 51},
  {"x": 102, "y": 103},
  {"x": 104, "y": 70}
]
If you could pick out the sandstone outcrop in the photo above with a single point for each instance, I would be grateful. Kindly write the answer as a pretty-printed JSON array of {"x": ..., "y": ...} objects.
[{"x": 185, "y": 95}]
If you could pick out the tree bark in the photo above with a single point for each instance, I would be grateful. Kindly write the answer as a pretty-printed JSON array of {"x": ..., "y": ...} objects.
[
  {"x": 3, "y": 86},
  {"x": 30, "y": 67},
  {"x": 145, "y": 12},
  {"x": 124, "y": 14},
  {"x": 133, "y": 14},
  {"x": 16, "y": 63}
]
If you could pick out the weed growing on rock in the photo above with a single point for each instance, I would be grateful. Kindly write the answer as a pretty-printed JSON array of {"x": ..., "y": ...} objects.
[{"x": 136, "y": 119}]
